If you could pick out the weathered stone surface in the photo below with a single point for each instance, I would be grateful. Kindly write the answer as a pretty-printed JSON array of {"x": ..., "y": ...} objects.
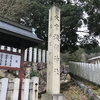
[
  {"x": 64, "y": 69},
  {"x": 82, "y": 86},
  {"x": 27, "y": 72},
  {"x": 90, "y": 93},
  {"x": 42, "y": 73},
  {"x": 85, "y": 89},
  {"x": 53, "y": 97},
  {"x": 42, "y": 86},
  {"x": 97, "y": 97},
  {"x": 63, "y": 76},
  {"x": 68, "y": 77},
  {"x": 27, "y": 64},
  {"x": 2, "y": 73},
  {"x": 10, "y": 76},
  {"x": 41, "y": 65},
  {"x": 34, "y": 66}
]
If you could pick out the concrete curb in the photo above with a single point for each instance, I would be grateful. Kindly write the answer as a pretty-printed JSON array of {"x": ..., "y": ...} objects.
[{"x": 89, "y": 92}]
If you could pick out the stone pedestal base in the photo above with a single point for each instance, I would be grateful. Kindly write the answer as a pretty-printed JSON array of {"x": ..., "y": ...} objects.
[{"x": 52, "y": 97}]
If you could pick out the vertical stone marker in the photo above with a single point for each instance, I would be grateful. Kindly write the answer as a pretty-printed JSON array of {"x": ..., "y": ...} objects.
[{"x": 53, "y": 63}]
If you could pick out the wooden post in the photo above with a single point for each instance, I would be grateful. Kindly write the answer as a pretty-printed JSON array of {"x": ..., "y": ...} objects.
[
  {"x": 21, "y": 71},
  {"x": 25, "y": 55}
]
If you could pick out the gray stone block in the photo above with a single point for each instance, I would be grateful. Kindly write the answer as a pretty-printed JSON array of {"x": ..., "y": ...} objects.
[
  {"x": 90, "y": 94},
  {"x": 98, "y": 97},
  {"x": 82, "y": 86},
  {"x": 85, "y": 89},
  {"x": 52, "y": 97}
]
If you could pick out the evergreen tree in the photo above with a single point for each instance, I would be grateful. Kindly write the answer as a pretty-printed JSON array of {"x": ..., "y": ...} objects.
[
  {"x": 92, "y": 8},
  {"x": 34, "y": 13},
  {"x": 71, "y": 16}
]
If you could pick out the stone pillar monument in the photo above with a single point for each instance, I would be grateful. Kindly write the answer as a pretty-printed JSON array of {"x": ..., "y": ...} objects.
[
  {"x": 53, "y": 69},
  {"x": 53, "y": 63}
]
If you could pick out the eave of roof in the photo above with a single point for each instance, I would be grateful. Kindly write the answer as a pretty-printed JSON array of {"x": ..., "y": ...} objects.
[
  {"x": 94, "y": 58},
  {"x": 18, "y": 30}
]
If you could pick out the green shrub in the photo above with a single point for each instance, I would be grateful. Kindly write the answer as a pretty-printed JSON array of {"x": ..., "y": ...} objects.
[{"x": 33, "y": 73}]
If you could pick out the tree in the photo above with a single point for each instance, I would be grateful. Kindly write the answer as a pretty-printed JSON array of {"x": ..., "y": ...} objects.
[
  {"x": 71, "y": 16},
  {"x": 71, "y": 19},
  {"x": 93, "y": 50},
  {"x": 92, "y": 8},
  {"x": 34, "y": 13},
  {"x": 13, "y": 9},
  {"x": 77, "y": 56}
]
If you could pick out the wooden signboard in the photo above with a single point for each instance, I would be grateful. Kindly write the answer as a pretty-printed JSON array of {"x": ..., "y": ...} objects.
[{"x": 10, "y": 60}]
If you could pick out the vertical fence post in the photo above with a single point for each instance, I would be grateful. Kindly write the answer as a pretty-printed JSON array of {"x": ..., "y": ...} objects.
[
  {"x": 34, "y": 91},
  {"x": 30, "y": 54},
  {"x": 91, "y": 73},
  {"x": 25, "y": 55},
  {"x": 97, "y": 74},
  {"x": 86, "y": 69},
  {"x": 15, "y": 92},
  {"x": 3, "y": 88},
  {"x": 14, "y": 50},
  {"x": 43, "y": 56},
  {"x": 2, "y": 47},
  {"x": 94, "y": 73},
  {"x": 81, "y": 69},
  {"x": 39, "y": 55},
  {"x": 8, "y": 48},
  {"x": 77, "y": 68},
  {"x": 46, "y": 56},
  {"x": 19, "y": 50},
  {"x": 25, "y": 89},
  {"x": 35, "y": 55}
]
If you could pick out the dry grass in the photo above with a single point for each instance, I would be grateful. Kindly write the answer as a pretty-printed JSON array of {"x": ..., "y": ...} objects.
[
  {"x": 74, "y": 93},
  {"x": 94, "y": 87}
]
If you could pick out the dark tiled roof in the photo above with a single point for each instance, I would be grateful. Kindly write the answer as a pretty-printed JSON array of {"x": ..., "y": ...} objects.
[{"x": 17, "y": 30}]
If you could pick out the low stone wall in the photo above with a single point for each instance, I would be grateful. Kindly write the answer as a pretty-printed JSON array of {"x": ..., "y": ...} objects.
[
  {"x": 88, "y": 92},
  {"x": 41, "y": 70}
]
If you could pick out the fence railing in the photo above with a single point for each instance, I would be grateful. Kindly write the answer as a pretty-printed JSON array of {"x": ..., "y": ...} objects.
[
  {"x": 9, "y": 89},
  {"x": 87, "y": 71},
  {"x": 31, "y": 54}
]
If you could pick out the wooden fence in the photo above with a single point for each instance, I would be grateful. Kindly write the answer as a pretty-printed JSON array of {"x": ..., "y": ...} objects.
[
  {"x": 31, "y": 54},
  {"x": 9, "y": 89},
  {"x": 90, "y": 72}
]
